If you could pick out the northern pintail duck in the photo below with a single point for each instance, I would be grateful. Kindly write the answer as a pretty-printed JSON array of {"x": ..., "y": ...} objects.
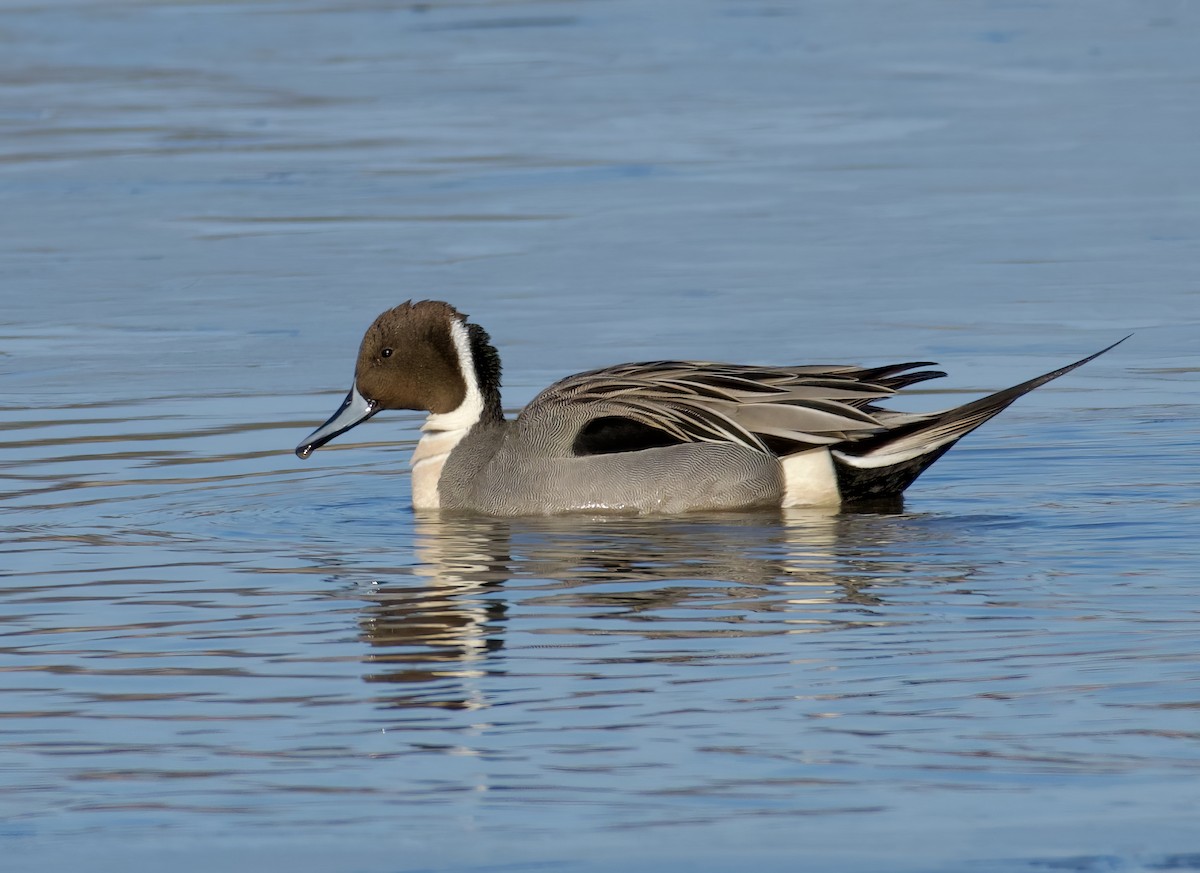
[{"x": 655, "y": 437}]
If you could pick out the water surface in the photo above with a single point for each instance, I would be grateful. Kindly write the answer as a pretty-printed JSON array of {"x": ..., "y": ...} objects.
[{"x": 215, "y": 656}]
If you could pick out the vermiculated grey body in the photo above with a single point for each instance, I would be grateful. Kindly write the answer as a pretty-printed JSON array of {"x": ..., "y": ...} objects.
[{"x": 493, "y": 471}]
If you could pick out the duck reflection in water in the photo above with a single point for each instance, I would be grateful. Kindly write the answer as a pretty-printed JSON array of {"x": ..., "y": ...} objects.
[
  {"x": 800, "y": 571},
  {"x": 440, "y": 631}
]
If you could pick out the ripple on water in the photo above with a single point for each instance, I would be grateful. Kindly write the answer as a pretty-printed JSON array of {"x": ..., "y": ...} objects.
[{"x": 199, "y": 627}]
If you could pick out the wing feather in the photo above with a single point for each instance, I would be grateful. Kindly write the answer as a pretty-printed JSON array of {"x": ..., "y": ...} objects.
[{"x": 700, "y": 401}]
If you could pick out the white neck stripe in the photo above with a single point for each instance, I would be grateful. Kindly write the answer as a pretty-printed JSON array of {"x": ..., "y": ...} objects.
[
  {"x": 470, "y": 410},
  {"x": 444, "y": 431}
]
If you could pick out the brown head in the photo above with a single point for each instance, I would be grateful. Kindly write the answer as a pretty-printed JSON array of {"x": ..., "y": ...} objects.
[
  {"x": 422, "y": 356},
  {"x": 407, "y": 359}
]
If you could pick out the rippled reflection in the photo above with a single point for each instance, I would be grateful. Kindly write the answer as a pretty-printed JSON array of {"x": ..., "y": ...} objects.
[
  {"x": 442, "y": 630},
  {"x": 440, "y": 625}
]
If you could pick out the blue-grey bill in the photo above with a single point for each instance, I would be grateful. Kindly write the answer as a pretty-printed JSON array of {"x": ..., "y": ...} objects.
[{"x": 355, "y": 409}]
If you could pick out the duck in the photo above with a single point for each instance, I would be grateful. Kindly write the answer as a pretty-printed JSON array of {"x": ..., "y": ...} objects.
[{"x": 656, "y": 437}]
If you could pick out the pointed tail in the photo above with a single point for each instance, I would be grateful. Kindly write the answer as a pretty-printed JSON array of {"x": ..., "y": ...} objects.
[{"x": 883, "y": 465}]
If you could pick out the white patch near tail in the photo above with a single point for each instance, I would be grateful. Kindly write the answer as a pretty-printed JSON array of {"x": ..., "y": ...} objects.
[
  {"x": 809, "y": 479},
  {"x": 445, "y": 431}
]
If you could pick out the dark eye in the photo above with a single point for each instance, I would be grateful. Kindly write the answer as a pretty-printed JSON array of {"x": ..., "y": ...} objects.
[{"x": 386, "y": 353}]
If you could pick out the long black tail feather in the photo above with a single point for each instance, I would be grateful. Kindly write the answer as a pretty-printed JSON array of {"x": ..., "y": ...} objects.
[{"x": 884, "y": 464}]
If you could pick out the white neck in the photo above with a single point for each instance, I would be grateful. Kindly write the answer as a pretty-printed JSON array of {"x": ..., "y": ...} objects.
[{"x": 443, "y": 431}]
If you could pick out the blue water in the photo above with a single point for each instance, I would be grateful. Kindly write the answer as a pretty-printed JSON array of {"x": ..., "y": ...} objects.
[{"x": 215, "y": 656}]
